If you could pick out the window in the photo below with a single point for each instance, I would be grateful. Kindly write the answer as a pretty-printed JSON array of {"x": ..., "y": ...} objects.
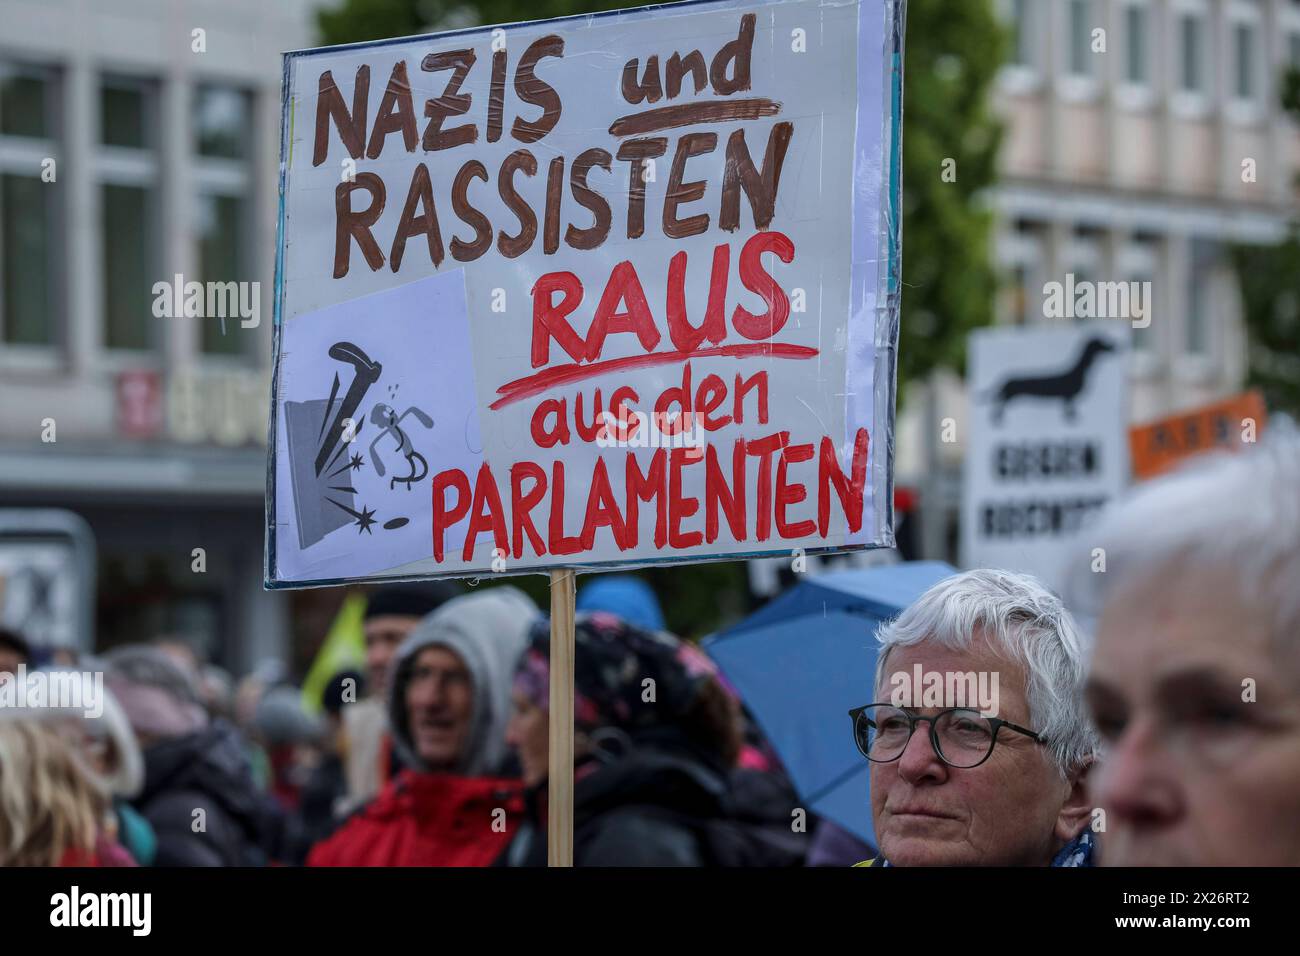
[
  {"x": 1080, "y": 38},
  {"x": 1141, "y": 261},
  {"x": 1141, "y": 284},
  {"x": 221, "y": 224},
  {"x": 26, "y": 265},
  {"x": 1135, "y": 45},
  {"x": 1243, "y": 35},
  {"x": 1087, "y": 265},
  {"x": 29, "y": 260},
  {"x": 1197, "y": 333},
  {"x": 222, "y": 119},
  {"x": 1200, "y": 289},
  {"x": 1022, "y": 53},
  {"x": 222, "y": 140},
  {"x": 128, "y": 170},
  {"x": 1191, "y": 31},
  {"x": 1019, "y": 294},
  {"x": 122, "y": 114},
  {"x": 25, "y": 103},
  {"x": 1022, "y": 250}
]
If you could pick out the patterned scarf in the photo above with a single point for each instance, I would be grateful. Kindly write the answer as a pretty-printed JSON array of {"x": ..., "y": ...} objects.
[{"x": 1078, "y": 852}]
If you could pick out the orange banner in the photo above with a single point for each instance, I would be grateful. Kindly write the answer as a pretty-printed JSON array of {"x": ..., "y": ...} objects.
[{"x": 1161, "y": 445}]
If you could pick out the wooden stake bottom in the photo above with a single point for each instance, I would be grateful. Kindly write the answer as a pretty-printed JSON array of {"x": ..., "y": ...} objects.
[{"x": 559, "y": 816}]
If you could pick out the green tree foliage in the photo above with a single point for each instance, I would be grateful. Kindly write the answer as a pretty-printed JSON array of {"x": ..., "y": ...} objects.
[
  {"x": 953, "y": 52},
  {"x": 1270, "y": 297}
]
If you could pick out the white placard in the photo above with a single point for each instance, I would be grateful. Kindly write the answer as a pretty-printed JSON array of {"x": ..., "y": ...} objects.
[
  {"x": 512, "y": 257},
  {"x": 1048, "y": 441}
]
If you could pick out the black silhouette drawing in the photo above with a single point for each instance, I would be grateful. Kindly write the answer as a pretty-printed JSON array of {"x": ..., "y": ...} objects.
[
  {"x": 321, "y": 434},
  {"x": 365, "y": 374},
  {"x": 1065, "y": 386},
  {"x": 387, "y": 418}
]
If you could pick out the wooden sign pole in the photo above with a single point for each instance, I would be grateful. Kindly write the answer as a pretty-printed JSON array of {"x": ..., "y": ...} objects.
[{"x": 559, "y": 816}]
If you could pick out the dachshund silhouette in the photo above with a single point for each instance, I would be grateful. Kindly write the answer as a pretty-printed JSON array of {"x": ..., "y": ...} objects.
[{"x": 1065, "y": 386}]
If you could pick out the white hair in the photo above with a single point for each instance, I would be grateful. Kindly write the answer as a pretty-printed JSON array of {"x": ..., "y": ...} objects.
[
  {"x": 1027, "y": 624},
  {"x": 1235, "y": 516}
]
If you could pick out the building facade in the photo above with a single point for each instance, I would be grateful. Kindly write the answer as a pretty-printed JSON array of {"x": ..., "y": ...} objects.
[
  {"x": 1143, "y": 139},
  {"x": 139, "y": 151}
]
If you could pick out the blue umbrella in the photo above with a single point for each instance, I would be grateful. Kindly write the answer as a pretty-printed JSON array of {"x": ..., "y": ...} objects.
[{"x": 804, "y": 659}]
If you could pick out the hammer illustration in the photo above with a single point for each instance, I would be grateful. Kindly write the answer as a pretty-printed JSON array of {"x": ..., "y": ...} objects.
[{"x": 367, "y": 372}]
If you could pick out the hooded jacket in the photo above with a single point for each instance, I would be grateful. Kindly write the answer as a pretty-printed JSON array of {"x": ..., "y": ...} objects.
[
  {"x": 488, "y": 630},
  {"x": 422, "y": 818}
]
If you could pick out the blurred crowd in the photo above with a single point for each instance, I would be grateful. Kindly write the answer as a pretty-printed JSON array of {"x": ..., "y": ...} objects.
[
  {"x": 1160, "y": 727},
  {"x": 434, "y": 755}
]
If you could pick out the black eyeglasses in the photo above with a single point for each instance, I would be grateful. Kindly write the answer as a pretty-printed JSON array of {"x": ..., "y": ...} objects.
[{"x": 961, "y": 737}]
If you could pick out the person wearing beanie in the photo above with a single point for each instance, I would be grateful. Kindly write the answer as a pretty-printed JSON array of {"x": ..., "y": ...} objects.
[
  {"x": 655, "y": 746},
  {"x": 448, "y": 705},
  {"x": 392, "y": 613}
]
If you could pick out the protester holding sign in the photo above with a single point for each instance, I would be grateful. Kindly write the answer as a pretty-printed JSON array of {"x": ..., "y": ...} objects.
[{"x": 1195, "y": 683}]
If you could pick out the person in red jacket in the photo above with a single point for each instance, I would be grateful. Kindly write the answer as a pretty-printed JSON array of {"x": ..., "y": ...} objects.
[{"x": 455, "y": 804}]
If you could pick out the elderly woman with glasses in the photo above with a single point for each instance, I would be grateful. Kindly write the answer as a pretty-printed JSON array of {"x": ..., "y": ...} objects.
[
  {"x": 1195, "y": 679},
  {"x": 993, "y": 781}
]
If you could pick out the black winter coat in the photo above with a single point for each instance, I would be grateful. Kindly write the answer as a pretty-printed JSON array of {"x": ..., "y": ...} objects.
[
  {"x": 656, "y": 807},
  {"x": 207, "y": 770}
]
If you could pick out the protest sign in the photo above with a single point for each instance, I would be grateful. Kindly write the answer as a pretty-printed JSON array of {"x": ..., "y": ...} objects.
[
  {"x": 1047, "y": 441},
  {"x": 1229, "y": 425},
  {"x": 590, "y": 292}
]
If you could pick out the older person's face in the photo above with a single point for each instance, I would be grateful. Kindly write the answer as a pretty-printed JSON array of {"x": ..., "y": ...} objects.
[
  {"x": 1012, "y": 810},
  {"x": 1192, "y": 774}
]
